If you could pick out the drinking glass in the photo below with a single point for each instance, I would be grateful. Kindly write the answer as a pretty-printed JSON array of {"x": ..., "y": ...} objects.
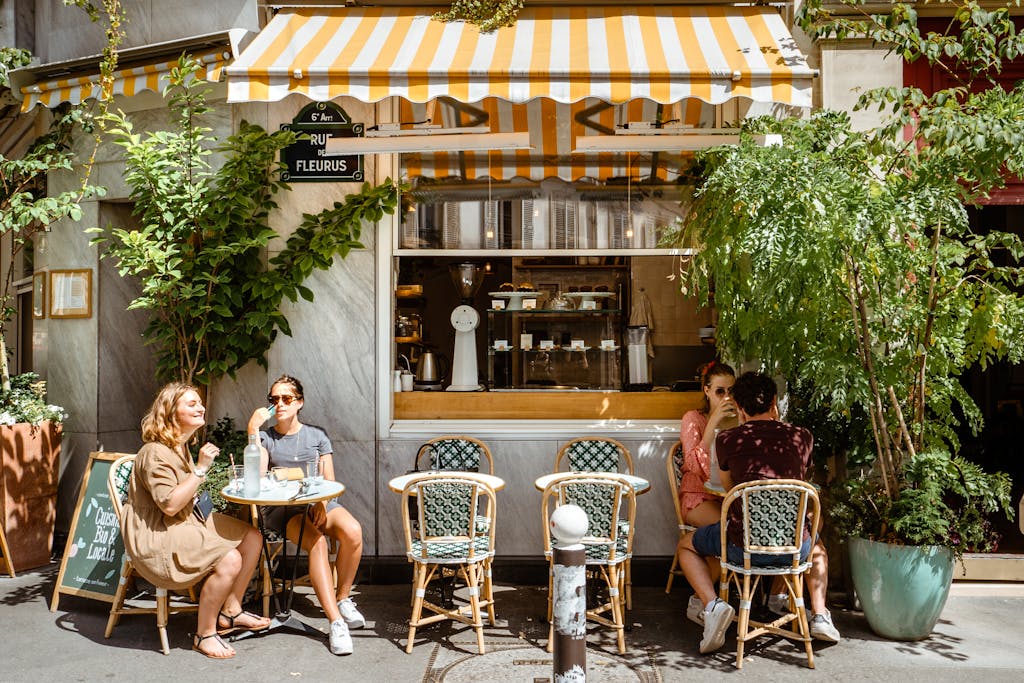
[
  {"x": 313, "y": 475},
  {"x": 237, "y": 478}
]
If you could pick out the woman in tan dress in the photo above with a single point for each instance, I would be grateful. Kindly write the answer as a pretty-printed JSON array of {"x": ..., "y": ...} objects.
[{"x": 167, "y": 542}]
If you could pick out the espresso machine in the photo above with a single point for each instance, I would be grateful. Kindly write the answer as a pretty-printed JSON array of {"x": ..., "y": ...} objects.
[{"x": 467, "y": 278}]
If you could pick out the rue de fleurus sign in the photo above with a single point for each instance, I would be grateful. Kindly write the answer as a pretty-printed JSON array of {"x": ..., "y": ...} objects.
[{"x": 307, "y": 160}]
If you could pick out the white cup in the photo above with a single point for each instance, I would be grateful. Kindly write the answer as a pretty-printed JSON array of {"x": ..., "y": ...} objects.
[{"x": 407, "y": 381}]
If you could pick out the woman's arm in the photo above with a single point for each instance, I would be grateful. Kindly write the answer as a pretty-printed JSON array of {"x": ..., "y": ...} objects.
[
  {"x": 696, "y": 447},
  {"x": 327, "y": 462},
  {"x": 170, "y": 495}
]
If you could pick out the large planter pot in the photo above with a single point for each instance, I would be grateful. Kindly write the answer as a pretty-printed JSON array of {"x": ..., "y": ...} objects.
[
  {"x": 30, "y": 461},
  {"x": 902, "y": 589}
]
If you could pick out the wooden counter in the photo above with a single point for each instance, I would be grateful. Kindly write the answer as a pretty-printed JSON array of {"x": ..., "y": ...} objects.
[{"x": 545, "y": 405}]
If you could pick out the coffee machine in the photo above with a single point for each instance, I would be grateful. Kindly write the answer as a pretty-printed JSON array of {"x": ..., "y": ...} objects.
[{"x": 467, "y": 278}]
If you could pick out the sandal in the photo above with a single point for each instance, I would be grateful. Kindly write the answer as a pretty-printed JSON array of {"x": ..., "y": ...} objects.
[
  {"x": 197, "y": 642},
  {"x": 231, "y": 628}
]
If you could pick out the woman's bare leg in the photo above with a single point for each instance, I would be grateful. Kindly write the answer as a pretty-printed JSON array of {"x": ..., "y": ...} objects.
[
  {"x": 314, "y": 543},
  {"x": 211, "y": 599},
  {"x": 342, "y": 526}
]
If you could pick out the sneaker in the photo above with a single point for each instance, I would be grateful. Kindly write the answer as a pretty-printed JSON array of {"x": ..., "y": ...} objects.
[
  {"x": 695, "y": 610},
  {"x": 717, "y": 618},
  {"x": 779, "y": 603},
  {"x": 350, "y": 614},
  {"x": 823, "y": 629},
  {"x": 341, "y": 641}
]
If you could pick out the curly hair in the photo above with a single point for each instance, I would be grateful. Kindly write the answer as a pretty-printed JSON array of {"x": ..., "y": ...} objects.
[
  {"x": 754, "y": 392},
  {"x": 708, "y": 372},
  {"x": 161, "y": 423}
]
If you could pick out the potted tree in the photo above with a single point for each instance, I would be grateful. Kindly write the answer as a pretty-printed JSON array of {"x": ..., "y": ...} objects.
[{"x": 846, "y": 261}]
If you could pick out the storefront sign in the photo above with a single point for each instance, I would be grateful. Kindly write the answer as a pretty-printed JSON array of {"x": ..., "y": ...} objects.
[{"x": 307, "y": 160}]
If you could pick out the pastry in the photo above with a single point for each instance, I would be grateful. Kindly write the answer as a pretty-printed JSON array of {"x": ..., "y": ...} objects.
[
  {"x": 507, "y": 287},
  {"x": 526, "y": 287}
]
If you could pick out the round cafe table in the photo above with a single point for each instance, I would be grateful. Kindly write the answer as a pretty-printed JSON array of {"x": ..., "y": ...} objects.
[
  {"x": 399, "y": 483},
  {"x": 273, "y": 493},
  {"x": 715, "y": 489},
  {"x": 639, "y": 484}
]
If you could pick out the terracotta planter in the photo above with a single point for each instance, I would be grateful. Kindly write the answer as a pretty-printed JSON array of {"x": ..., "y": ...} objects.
[{"x": 30, "y": 460}]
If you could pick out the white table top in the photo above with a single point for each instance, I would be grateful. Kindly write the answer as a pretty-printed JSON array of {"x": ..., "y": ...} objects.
[
  {"x": 272, "y": 493},
  {"x": 639, "y": 484},
  {"x": 715, "y": 489},
  {"x": 399, "y": 483}
]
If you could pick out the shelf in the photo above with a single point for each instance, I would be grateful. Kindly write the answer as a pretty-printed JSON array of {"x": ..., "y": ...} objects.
[
  {"x": 551, "y": 313},
  {"x": 568, "y": 266},
  {"x": 408, "y": 340}
]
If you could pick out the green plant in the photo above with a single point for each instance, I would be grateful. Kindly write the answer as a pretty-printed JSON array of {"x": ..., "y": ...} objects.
[
  {"x": 489, "y": 15},
  {"x": 845, "y": 261},
  {"x": 199, "y": 251},
  {"x": 25, "y": 401},
  {"x": 231, "y": 442}
]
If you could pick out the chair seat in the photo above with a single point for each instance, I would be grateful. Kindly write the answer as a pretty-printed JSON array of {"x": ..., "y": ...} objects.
[
  {"x": 597, "y": 553},
  {"x": 450, "y": 551},
  {"x": 771, "y": 570}
]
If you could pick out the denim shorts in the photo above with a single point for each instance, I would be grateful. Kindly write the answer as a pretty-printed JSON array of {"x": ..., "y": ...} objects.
[{"x": 707, "y": 541}]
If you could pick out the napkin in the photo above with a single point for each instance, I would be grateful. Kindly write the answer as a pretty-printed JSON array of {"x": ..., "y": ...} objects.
[{"x": 288, "y": 473}]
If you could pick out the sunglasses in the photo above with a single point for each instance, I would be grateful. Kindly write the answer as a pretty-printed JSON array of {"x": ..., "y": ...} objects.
[
  {"x": 723, "y": 391},
  {"x": 284, "y": 398}
]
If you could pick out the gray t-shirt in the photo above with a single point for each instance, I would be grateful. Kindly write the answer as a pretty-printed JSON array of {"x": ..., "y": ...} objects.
[{"x": 292, "y": 450}]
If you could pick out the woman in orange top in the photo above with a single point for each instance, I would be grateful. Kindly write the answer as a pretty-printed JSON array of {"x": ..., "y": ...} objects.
[{"x": 697, "y": 434}]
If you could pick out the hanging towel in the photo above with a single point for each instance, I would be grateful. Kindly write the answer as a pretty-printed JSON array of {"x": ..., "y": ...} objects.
[{"x": 642, "y": 313}]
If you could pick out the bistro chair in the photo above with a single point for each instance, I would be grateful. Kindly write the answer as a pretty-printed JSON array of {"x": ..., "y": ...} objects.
[
  {"x": 674, "y": 466},
  {"x": 594, "y": 454},
  {"x": 449, "y": 538},
  {"x": 608, "y": 500},
  {"x": 599, "y": 454},
  {"x": 459, "y": 453},
  {"x": 117, "y": 484},
  {"x": 775, "y": 514}
]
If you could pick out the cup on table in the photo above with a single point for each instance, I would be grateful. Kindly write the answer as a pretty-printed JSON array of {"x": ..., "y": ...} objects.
[
  {"x": 237, "y": 478},
  {"x": 314, "y": 473}
]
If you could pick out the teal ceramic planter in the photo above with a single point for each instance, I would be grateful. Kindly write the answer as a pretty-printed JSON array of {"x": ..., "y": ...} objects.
[{"x": 902, "y": 589}]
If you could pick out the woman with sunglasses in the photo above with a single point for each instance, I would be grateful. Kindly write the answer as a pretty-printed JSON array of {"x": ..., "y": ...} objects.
[
  {"x": 290, "y": 443},
  {"x": 697, "y": 434}
]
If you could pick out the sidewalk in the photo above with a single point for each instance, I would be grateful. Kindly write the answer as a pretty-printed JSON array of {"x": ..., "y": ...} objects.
[{"x": 980, "y": 635}]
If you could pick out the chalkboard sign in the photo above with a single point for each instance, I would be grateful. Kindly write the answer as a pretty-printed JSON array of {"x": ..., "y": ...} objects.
[{"x": 91, "y": 565}]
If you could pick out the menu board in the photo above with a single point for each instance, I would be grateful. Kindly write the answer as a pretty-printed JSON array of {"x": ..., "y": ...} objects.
[{"x": 91, "y": 565}]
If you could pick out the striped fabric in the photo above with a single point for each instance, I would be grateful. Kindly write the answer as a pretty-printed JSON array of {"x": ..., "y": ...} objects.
[
  {"x": 127, "y": 82},
  {"x": 565, "y": 54}
]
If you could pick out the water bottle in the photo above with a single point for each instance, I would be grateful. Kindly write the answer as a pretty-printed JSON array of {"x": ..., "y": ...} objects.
[{"x": 251, "y": 465}]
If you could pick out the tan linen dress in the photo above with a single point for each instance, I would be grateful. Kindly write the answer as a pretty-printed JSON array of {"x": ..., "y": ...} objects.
[{"x": 171, "y": 551}]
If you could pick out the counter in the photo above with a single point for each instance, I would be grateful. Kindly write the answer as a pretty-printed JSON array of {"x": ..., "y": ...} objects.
[{"x": 545, "y": 405}]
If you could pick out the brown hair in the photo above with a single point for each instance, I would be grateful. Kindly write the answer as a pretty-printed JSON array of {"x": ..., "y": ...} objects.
[
  {"x": 709, "y": 371},
  {"x": 754, "y": 392},
  {"x": 295, "y": 385},
  {"x": 161, "y": 423}
]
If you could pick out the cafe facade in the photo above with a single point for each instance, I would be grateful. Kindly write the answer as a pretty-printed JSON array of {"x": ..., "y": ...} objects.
[{"x": 526, "y": 295}]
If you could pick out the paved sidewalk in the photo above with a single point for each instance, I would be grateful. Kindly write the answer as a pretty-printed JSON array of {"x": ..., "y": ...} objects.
[{"x": 979, "y": 636}]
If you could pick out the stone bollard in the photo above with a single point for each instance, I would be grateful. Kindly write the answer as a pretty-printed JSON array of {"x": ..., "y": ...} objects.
[{"x": 569, "y": 594}]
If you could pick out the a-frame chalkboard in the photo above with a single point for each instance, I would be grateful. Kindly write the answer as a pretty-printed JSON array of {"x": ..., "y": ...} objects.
[{"x": 91, "y": 565}]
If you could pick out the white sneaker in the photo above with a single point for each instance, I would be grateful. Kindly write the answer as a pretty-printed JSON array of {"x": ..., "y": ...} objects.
[
  {"x": 717, "y": 618},
  {"x": 341, "y": 641},
  {"x": 822, "y": 628},
  {"x": 779, "y": 603},
  {"x": 350, "y": 614},
  {"x": 695, "y": 610}
]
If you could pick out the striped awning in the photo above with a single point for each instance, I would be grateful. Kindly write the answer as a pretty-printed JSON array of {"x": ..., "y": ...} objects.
[
  {"x": 566, "y": 54},
  {"x": 127, "y": 81}
]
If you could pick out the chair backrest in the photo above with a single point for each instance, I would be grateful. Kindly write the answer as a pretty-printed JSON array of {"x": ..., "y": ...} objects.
[
  {"x": 674, "y": 466},
  {"x": 594, "y": 454},
  {"x": 775, "y": 514},
  {"x": 607, "y": 498},
  {"x": 118, "y": 477},
  {"x": 449, "y": 509},
  {"x": 459, "y": 453}
]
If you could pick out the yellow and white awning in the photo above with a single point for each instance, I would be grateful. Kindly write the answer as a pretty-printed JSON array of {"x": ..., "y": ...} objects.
[
  {"x": 566, "y": 54},
  {"x": 127, "y": 82}
]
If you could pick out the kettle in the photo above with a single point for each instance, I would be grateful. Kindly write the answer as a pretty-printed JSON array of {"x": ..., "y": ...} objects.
[{"x": 429, "y": 372}]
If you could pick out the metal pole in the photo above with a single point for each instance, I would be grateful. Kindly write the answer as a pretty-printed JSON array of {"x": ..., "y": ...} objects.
[{"x": 569, "y": 594}]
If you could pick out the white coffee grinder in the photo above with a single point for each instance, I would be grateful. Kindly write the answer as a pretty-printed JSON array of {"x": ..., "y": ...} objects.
[{"x": 467, "y": 278}]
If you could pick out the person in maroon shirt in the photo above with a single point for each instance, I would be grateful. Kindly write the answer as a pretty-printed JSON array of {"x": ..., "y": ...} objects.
[{"x": 762, "y": 447}]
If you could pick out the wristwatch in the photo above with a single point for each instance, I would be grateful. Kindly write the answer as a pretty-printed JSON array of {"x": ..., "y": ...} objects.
[{"x": 200, "y": 472}]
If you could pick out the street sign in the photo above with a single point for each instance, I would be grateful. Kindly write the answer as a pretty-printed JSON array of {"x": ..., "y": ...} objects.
[{"x": 307, "y": 160}]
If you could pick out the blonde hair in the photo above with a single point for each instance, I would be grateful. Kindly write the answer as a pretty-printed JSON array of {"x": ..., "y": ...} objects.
[{"x": 161, "y": 423}]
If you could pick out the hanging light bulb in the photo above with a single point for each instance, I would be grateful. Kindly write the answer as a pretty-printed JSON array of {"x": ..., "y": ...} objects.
[{"x": 42, "y": 244}]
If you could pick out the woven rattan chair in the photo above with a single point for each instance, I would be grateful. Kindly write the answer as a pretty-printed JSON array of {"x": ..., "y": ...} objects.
[
  {"x": 607, "y": 499},
  {"x": 459, "y": 453},
  {"x": 448, "y": 537},
  {"x": 117, "y": 484},
  {"x": 776, "y": 513},
  {"x": 674, "y": 467}
]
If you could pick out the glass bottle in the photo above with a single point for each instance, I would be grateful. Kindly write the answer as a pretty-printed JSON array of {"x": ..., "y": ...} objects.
[{"x": 251, "y": 465}]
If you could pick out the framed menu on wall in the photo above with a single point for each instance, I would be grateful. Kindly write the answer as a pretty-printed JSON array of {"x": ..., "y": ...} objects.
[{"x": 71, "y": 293}]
